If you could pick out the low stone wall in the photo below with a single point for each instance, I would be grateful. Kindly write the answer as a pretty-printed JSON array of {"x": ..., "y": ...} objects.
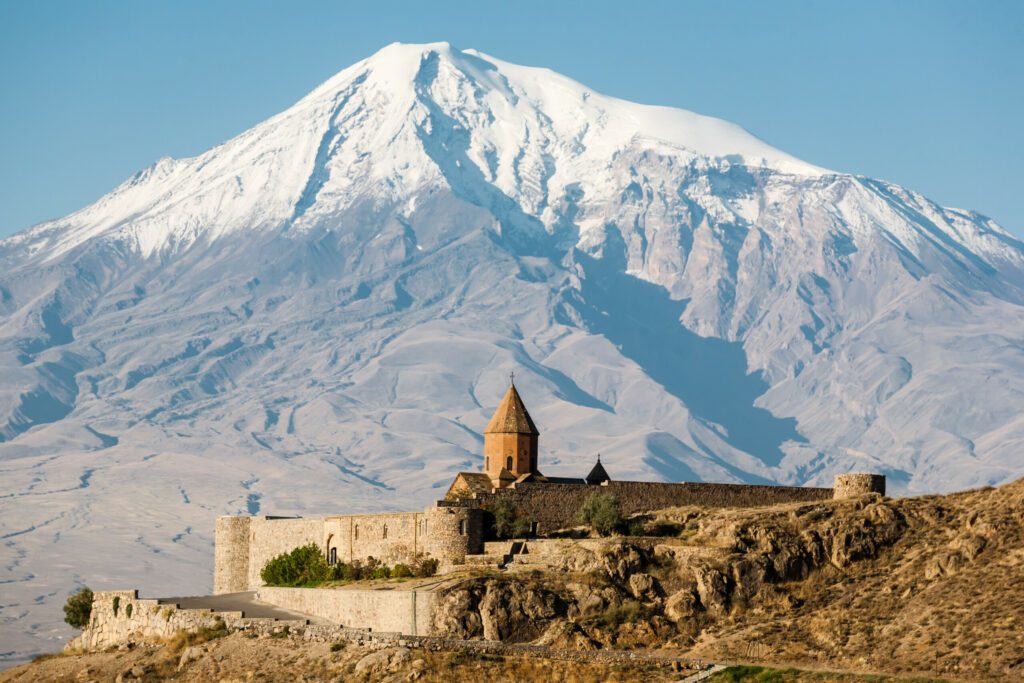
[
  {"x": 150, "y": 626},
  {"x": 555, "y": 506},
  {"x": 400, "y": 611},
  {"x": 121, "y": 616}
]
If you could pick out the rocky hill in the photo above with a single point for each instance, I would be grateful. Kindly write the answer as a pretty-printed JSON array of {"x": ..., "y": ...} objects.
[{"x": 925, "y": 586}]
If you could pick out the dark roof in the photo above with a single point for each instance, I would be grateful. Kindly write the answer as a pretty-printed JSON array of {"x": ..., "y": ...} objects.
[
  {"x": 511, "y": 416},
  {"x": 564, "y": 480},
  {"x": 598, "y": 474}
]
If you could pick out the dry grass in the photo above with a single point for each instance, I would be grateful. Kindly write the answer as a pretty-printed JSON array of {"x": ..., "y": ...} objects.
[{"x": 947, "y": 597}]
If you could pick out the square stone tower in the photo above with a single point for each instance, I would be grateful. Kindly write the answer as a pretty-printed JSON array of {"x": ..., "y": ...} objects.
[{"x": 510, "y": 442}]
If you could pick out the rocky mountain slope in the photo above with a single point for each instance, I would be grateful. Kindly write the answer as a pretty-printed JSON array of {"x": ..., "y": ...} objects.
[
  {"x": 319, "y": 314},
  {"x": 925, "y": 586}
]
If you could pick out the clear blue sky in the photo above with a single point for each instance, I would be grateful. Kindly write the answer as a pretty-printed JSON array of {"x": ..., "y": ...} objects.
[{"x": 926, "y": 94}]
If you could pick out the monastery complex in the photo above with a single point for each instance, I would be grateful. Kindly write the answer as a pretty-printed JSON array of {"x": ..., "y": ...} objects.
[{"x": 454, "y": 529}]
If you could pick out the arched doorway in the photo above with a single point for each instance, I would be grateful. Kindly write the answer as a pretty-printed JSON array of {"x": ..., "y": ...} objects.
[{"x": 332, "y": 551}]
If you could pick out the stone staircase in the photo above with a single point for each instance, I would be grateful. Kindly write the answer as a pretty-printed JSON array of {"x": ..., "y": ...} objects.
[{"x": 511, "y": 556}]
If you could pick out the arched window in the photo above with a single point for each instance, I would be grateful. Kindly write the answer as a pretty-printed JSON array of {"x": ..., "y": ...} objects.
[
  {"x": 356, "y": 532},
  {"x": 462, "y": 527},
  {"x": 385, "y": 531},
  {"x": 508, "y": 463}
]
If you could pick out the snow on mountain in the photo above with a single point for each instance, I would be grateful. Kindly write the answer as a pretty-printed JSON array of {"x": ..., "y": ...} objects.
[{"x": 320, "y": 314}]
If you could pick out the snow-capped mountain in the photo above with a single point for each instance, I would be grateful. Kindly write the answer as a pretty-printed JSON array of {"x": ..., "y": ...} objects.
[{"x": 320, "y": 314}]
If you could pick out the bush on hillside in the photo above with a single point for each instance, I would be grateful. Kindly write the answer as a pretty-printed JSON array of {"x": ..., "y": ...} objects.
[
  {"x": 601, "y": 513},
  {"x": 78, "y": 608},
  {"x": 303, "y": 566}
]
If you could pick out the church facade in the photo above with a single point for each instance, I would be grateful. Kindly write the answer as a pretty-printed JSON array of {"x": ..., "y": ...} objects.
[{"x": 453, "y": 528}]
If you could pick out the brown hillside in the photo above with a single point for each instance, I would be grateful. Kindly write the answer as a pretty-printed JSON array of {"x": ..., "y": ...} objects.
[{"x": 932, "y": 584}]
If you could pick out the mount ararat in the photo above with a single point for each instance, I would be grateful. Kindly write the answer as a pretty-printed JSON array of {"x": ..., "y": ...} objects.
[{"x": 320, "y": 314}]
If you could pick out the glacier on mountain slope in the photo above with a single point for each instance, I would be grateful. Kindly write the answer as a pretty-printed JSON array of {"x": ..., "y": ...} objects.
[{"x": 319, "y": 314}]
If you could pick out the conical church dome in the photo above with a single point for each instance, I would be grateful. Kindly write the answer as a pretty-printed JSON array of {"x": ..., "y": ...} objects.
[
  {"x": 598, "y": 475},
  {"x": 511, "y": 416}
]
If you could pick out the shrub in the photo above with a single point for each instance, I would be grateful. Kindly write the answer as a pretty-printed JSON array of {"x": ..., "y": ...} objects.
[
  {"x": 303, "y": 566},
  {"x": 600, "y": 512},
  {"x": 78, "y": 608},
  {"x": 626, "y": 613},
  {"x": 128, "y": 610},
  {"x": 507, "y": 521},
  {"x": 635, "y": 527},
  {"x": 401, "y": 571},
  {"x": 424, "y": 566},
  {"x": 117, "y": 604}
]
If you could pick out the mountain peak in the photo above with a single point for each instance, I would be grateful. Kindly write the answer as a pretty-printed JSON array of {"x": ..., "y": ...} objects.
[{"x": 408, "y": 117}]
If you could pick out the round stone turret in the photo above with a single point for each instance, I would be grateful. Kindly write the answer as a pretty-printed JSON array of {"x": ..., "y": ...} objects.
[{"x": 857, "y": 484}]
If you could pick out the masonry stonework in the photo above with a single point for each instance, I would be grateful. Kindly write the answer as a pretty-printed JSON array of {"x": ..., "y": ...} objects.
[
  {"x": 857, "y": 484},
  {"x": 556, "y": 506},
  {"x": 398, "y": 611},
  {"x": 244, "y": 545},
  {"x": 231, "y": 554}
]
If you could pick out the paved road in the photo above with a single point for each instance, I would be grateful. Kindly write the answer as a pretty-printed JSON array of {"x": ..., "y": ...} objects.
[{"x": 245, "y": 603}]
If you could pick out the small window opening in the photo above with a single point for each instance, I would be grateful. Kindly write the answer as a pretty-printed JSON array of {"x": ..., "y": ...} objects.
[
  {"x": 462, "y": 527},
  {"x": 385, "y": 531},
  {"x": 332, "y": 556},
  {"x": 356, "y": 534},
  {"x": 508, "y": 463}
]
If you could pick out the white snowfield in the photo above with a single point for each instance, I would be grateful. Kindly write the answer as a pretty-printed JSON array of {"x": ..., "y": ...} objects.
[{"x": 320, "y": 314}]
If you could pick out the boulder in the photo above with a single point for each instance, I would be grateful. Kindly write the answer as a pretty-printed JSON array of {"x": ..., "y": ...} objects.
[
  {"x": 713, "y": 589},
  {"x": 621, "y": 561},
  {"x": 374, "y": 663},
  {"x": 514, "y": 612},
  {"x": 643, "y": 587},
  {"x": 682, "y": 605}
]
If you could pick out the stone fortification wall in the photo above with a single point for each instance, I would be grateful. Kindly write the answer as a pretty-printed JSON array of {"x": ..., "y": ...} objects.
[
  {"x": 390, "y": 537},
  {"x": 397, "y": 611},
  {"x": 858, "y": 483},
  {"x": 231, "y": 554},
  {"x": 244, "y": 545},
  {"x": 555, "y": 506},
  {"x": 453, "y": 532},
  {"x": 269, "y": 537},
  {"x": 121, "y": 616}
]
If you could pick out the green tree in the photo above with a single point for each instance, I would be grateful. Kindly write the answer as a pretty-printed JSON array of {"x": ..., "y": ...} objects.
[
  {"x": 507, "y": 521},
  {"x": 78, "y": 608},
  {"x": 601, "y": 513},
  {"x": 303, "y": 566}
]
